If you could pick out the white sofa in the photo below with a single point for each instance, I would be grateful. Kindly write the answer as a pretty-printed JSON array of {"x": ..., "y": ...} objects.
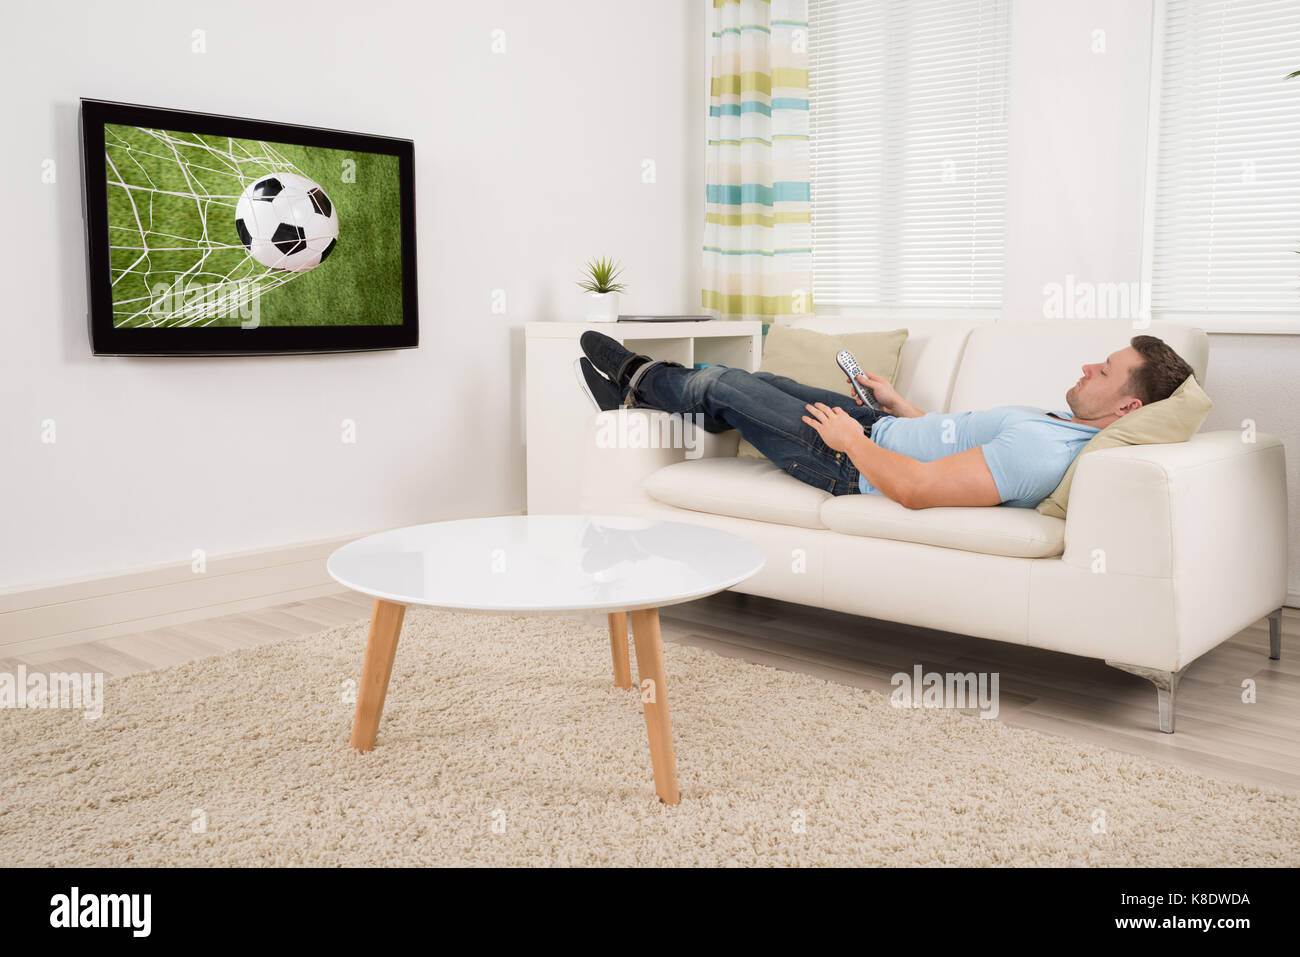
[{"x": 1166, "y": 551}]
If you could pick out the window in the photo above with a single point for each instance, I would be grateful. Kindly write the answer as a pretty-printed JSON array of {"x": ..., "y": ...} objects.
[
  {"x": 1225, "y": 222},
  {"x": 909, "y": 153}
]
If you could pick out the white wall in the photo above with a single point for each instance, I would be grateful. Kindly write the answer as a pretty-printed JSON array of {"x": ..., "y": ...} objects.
[
  {"x": 528, "y": 163},
  {"x": 1078, "y": 148},
  {"x": 1077, "y": 145}
]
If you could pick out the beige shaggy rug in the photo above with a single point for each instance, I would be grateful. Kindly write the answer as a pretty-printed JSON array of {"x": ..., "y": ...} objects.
[{"x": 504, "y": 742}]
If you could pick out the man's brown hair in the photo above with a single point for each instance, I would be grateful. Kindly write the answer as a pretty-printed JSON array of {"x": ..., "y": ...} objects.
[{"x": 1161, "y": 372}]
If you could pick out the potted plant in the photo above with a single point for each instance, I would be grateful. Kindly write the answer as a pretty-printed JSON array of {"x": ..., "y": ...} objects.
[{"x": 602, "y": 286}]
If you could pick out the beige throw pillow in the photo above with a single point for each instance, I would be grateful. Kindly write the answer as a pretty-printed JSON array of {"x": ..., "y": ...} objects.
[
  {"x": 809, "y": 357},
  {"x": 1174, "y": 419}
]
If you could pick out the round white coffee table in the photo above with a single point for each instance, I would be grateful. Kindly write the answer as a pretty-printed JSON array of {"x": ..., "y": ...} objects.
[{"x": 523, "y": 564}]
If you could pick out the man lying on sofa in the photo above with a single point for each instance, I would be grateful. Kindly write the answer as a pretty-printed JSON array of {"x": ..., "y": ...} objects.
[{"x": 1012, "y": 455}]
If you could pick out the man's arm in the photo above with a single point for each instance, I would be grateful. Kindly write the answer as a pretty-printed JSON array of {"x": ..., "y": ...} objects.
[{"x": 960, "y": 479}]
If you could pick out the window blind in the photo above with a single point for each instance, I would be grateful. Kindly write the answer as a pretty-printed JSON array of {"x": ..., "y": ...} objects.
[
  {"x": 1226, "y": 220},
  {"x": 908, "y": 125}
]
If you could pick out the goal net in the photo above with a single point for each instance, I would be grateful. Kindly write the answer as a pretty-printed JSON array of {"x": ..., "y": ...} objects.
[{"x": 175, "y": 257}]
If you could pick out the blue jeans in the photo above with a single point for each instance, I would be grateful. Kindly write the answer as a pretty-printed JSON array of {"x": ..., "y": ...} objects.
[{"x": 768, "y": 411}]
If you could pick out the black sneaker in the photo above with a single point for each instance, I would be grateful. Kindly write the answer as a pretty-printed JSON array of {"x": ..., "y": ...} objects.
[
  {"x": 604, "y": 395},
  {"x": 610, "y": 358}
]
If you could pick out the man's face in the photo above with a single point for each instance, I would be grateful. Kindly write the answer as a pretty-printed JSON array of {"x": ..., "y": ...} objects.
[{"x": 1103, "y": 389}]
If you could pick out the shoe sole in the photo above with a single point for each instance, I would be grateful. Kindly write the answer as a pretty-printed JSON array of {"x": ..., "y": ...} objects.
[{"x": 582, "y": 384}]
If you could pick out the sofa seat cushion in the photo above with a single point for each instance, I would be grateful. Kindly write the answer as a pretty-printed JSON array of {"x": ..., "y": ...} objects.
[
  {"x": 739, "y": 487},
  {"x": 996, "y": 530}
]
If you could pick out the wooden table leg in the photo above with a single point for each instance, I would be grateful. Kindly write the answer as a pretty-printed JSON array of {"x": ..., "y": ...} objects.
[
  {"x": 654, "y": 698},
  {"x": 381, "y": 647},
  {"x": 618, "y": 648}
]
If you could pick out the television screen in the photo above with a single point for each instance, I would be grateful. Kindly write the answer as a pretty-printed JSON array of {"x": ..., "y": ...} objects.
[{"x": 211, "y": 235}]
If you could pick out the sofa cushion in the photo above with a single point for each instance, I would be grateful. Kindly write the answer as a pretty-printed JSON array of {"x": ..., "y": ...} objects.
[
  {"x": 927, "y": 366},
  {"x": 997, "y": 530},
  {"x": 1170, "y": 420},
  {"x": 809, "y": 357},
  {"x": 742, "y": 488}
]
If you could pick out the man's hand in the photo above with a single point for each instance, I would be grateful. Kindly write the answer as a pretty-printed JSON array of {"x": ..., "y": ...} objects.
[
  {"x": 837, "y": 428},
  {"x": 887, "y": 396}
]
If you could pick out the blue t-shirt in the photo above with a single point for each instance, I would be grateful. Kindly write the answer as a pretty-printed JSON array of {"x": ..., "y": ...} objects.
[{"x": 1027, "y": 452}]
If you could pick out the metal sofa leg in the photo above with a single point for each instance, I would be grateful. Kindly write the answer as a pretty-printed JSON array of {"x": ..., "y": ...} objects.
[
  {"x": 1166, "y": 683},
  {"x": 1275, "y": 635}
]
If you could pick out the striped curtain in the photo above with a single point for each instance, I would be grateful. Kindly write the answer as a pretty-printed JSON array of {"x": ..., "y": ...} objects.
[{"x": 758, "y": 227}]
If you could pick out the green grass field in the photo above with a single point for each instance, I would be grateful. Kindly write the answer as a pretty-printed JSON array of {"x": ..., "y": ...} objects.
[{"x": 176, "y": 183}]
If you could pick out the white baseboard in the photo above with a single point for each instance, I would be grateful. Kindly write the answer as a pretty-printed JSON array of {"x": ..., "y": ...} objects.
[{"x": 48, "y": 617}]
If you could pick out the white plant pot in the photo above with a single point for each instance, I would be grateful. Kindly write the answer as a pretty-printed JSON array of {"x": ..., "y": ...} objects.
[{"x": 602, "y": 307}]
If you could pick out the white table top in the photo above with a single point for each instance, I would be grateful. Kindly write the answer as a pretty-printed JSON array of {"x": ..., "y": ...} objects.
[{"x": 546, "y": 563}]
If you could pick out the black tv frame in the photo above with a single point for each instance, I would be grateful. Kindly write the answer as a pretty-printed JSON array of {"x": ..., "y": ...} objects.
[{"x": 107, "y": 340}]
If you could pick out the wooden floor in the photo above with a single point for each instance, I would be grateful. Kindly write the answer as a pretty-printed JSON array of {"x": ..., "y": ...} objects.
[{"x": 1076, "y": 698}]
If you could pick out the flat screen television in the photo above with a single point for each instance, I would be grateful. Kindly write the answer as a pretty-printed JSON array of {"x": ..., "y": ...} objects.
[{"x": 211, "y": 235}]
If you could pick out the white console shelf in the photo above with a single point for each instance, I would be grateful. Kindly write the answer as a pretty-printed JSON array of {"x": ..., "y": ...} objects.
[{"x": 558, "y": 410}]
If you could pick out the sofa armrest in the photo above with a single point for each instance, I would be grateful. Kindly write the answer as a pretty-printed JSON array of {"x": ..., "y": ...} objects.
[
  {"x": 625, "y": 446},
  {"x": 1209, "y": 514}
]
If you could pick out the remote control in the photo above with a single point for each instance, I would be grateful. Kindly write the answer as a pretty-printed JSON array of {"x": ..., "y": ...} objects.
[{"x": 849, "y": 363}]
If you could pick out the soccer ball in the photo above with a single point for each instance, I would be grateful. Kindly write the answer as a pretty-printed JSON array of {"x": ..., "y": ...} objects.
[{"x": 286, "y": 222}]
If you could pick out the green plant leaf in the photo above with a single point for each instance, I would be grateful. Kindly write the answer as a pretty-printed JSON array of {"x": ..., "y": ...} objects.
[{"x": 601, "y": 276}]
